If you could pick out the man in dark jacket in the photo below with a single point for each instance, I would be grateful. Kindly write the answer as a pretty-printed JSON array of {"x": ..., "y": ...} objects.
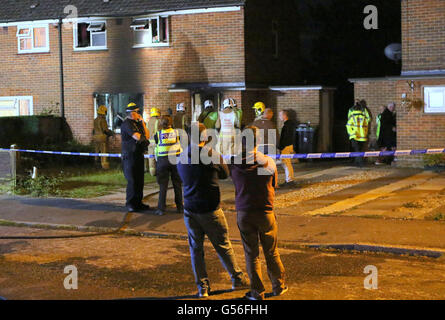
[
  {"x": 202, "y": 212},
  {"x": 387, "y": 139},
  {"x": 255, "y": 176},
  {"x": 269, "y": 138},
  {"x": 286, "y": 147}
]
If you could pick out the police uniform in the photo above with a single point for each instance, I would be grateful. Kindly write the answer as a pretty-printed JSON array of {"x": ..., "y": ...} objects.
[
  {"x": 133, "y": 161},
  {"x": 167, "y": 144}
]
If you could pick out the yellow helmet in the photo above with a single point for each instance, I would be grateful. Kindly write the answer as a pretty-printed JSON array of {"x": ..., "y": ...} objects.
[
  {"x": 259, "y": 108},
  {"x": 154, "y": 112},
  {"x": 102, "y": 110}
]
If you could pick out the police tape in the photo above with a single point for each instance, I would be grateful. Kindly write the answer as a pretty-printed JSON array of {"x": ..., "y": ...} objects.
[{"x": 337, "y": 155}]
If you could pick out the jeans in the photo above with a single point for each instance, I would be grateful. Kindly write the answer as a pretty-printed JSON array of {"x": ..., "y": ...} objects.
[
  {"x": 214, "y": 225},
  {"x": 256, "y": 227}
]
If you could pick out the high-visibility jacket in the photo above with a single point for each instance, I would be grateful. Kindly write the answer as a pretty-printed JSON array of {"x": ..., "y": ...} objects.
[
  {"x": 379, "y": 125},
  {"x": 357, "y": 125},
  {"x": 168, "y": 143}
]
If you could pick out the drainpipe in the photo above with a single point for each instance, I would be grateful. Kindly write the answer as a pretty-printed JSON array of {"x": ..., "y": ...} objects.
[{"x": 62, "y": 86}]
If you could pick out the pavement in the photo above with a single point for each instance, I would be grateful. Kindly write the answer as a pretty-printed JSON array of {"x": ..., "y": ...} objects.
[{"x": 333, "y": 204}]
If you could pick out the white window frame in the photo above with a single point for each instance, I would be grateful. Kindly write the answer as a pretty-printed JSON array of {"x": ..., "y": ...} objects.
[
  {"x": 150, "y": 31},
  {"x": 90, "y": 48},
  {"x": 427, "y": 90},
  {"x": 30, "y": 35},
  {"x": 16, "y": 100}
]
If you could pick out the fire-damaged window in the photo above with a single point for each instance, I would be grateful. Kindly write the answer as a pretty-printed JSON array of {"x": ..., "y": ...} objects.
[
  {"x": 32, "y": 39},
  {"x": 150, "y": 32},
  {"x": 116, "y": 104},
  {"x": 90, "y": 35}
]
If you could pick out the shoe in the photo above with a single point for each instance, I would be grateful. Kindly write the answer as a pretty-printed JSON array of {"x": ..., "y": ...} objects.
[
  {"x": 203, "y": 293},
  {"x": 240, "y": 283},
  {"x": 378, "y": 163},
  {"x": 250, "y": 296},
  {"x": 131, "y": 209},
  {"x": 281, "y": 291},
  {"x": 144, "y": 207},
  {"x": 159, "y": 212}
]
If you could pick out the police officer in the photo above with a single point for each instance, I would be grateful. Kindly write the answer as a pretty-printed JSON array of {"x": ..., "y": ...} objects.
[
  {"x": 153, "y": 127},
  {"x": 357, "y": 127},
  {"x": 134, "y": 143},
  {"x": 168, "y": 147},
  {"x": 100, "y": 136}
]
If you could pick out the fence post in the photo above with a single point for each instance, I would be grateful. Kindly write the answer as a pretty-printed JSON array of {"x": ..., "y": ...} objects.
[{"x": 14, "y": 157}]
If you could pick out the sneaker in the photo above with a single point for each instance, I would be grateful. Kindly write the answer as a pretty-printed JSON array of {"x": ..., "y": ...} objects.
[
  {"x": 281, "y": 291},
  {"x": 378, "y": 163},
  {"x": 250, "y": 296},
  {"x": 159, "y": 212},
  {"x": 203, "y": 293},
  {"x": 240, "y": 283}
]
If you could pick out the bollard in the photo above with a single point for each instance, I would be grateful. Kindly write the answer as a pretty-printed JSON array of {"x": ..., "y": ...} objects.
[
  {"x": 34, "y": 172},
  {"x": 14, "y": 157}
]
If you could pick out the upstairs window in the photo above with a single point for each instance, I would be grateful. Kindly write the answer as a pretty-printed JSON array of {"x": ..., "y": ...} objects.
[
  {"x": 33, "y": 39},
  {"x": 90, "y": 35},
  {"x": 150, "y": 32}
]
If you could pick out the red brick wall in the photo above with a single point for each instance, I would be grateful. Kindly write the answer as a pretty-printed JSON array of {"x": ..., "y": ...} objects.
[
  {"x": 415, "y": 128},
  {"x": 423, "y": 33},
  {"x": 207, "y": 47}
]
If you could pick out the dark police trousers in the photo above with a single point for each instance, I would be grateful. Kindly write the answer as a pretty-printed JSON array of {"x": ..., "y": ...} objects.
[
  {"x": 165, "y": 170},
  {"x": 133, "y": 166}
]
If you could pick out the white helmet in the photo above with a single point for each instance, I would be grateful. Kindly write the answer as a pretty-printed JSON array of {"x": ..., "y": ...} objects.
[
  {"x": 208, "y": 104},
  {"x": 180, "y": 107},
  {"x": 229, "y": 103}
]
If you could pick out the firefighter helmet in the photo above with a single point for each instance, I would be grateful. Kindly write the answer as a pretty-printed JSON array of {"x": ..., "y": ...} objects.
[
  {"x": 154, "y": 112},
  {"x": 208, "y": 104},
  {"x": 229, "y": 103},
  {"x": 180, "y": 107},
  {"x": 102, "y": 110},
  {"x": 259, "y": 108}
]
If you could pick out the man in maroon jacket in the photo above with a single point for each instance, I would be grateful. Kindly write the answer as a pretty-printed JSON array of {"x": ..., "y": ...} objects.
[{"x": 255, "y": 177}]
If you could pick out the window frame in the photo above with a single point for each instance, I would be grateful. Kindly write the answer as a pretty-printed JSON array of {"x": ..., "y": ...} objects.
[
  {"x": 89, "y": 48},
  {"x": 426, "y": 90},
  {"x": 30, "y": 35},
  {"x": 16, "y": 100},
  {"x": 150, "y": 31}
]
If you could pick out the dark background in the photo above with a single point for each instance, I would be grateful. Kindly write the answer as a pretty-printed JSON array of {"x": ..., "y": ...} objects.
[{"x": 335, "y": 45}]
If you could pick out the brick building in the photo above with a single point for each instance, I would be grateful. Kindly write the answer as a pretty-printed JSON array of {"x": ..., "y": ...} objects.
[
  {"x": 158, "y": 53},
  {"x": 422, "y": 78}
]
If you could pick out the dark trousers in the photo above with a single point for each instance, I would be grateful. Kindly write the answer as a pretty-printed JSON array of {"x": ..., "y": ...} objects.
[
  {"x": 214, "y": 225},
  {"x": 358, "y": 146},
  {"x": 133, "y": 167},
  {"x": 164, "y": 171},
  {"x": 256, "y": 227}
]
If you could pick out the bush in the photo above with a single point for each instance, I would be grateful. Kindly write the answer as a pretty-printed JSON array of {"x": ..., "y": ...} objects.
[
  {"x": 39, "y": 187},
  {"x": 434, "y": 160}
]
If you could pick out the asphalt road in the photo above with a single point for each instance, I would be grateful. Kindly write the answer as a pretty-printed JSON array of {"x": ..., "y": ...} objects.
[{"x": 123, "y": 267}]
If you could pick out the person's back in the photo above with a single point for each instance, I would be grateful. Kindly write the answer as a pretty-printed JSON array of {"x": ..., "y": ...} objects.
[
  {"x": 200, "y": 183},
  {"x": 255, "y": 181}
]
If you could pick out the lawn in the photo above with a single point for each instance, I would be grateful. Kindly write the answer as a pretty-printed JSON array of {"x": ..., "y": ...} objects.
[{"x": 75, "y": 183}]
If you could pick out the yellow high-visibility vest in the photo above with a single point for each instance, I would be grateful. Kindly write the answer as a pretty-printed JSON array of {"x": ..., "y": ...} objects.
[
  {"x": 357, "y": 125},
  {"x": 168, "y": 143}
]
